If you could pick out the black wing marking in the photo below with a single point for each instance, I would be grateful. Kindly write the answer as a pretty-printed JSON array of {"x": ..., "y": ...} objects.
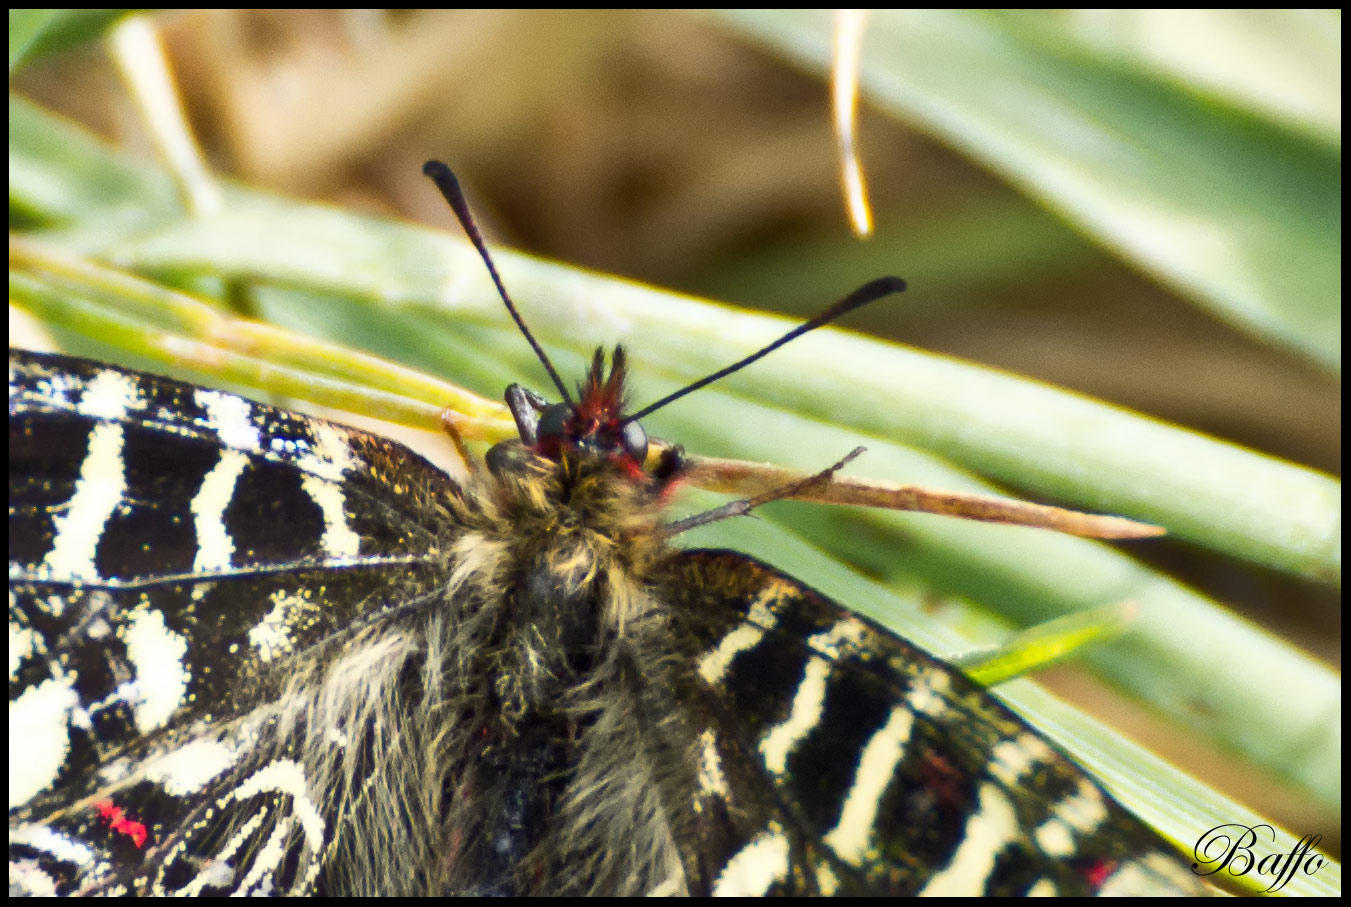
[
  {"x": 180, "y": 558},
  {"x": 891, "y": 771}
]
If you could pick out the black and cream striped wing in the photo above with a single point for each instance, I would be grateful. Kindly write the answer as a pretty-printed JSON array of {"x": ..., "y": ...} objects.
[
  {"x": 881, "y": 769},
  {"x": 177, "y": 554}
]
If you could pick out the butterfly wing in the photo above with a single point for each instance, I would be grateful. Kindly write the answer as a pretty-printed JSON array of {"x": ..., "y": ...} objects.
[
  {"x": 885, "y": 770},
  {"x": 180, "y": 559},
  {"x": 212, "y": 661}
]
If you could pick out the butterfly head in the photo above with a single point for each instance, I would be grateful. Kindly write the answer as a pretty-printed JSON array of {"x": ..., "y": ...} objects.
[
  {"x": 587, "y": 452},
  {"x": 594, "y": 428}
]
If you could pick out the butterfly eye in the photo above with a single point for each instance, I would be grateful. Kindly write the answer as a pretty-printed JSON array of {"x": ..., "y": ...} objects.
[
  {"x": 553, "y": 423},
  {"x": 634, "y": 440}
]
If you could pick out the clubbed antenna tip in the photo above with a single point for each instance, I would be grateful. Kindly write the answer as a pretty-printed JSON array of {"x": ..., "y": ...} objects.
[{"x": 445, "y": 180}]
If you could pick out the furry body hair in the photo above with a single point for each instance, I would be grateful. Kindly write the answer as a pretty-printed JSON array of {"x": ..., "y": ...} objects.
[{"x": 515, "y": 733}]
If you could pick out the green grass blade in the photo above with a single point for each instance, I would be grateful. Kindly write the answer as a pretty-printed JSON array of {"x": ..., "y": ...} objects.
[{"x": 1230, "y": 206}]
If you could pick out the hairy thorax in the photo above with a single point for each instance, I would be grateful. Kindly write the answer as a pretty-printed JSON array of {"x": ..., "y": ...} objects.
[
  {"x": 571, "y": 539},
  {"x": 550, "y": 598}
]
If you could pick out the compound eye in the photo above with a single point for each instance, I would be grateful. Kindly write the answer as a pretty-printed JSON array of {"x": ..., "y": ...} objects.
[
  {"x": 553, "y": 422},
  {"x": 634, "y": 440}
]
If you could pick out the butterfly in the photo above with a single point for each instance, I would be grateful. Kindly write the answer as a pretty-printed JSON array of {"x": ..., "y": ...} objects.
[{"x": 263, "y": 653}]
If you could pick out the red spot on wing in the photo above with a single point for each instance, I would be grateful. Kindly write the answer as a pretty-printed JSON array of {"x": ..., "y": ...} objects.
[
  {"x": 941, "y": 779},
  {"x": 1099, "y": 871},
  {"x": 118, "y": 821}
]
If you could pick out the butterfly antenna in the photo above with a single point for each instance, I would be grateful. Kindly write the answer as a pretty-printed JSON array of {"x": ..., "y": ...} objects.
[
  {"x": 869, "y": 292},
  {"x": 450, "y": 189}
]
